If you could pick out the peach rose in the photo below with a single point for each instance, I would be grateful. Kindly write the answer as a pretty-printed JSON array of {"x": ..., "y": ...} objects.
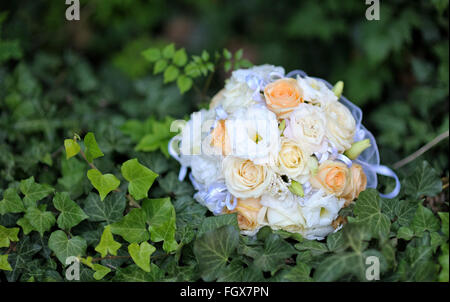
[
  {"x": 247, "y": 210},
  {"x": 332, "y": 176},
  {"x": 357, "y": 184},
  {"x": 282, "y": 96},
  {"x": 220, "y": 139}
]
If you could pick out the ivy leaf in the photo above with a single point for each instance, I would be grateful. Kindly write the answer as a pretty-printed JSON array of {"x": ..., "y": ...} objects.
[
  {"x": 72, "y": 148},
  {"x": 73, "y": 175},
  {"x": 158, "y": 138},
  {"x": 336, "y": 242},
  {"x": 444, "y": 262},
  {"x": 21, "y": 258},
  {"x": 132, "y": 273},
  {"x": 64, "y": 247},
  {"x": 109, "y": 210},
  {"x": 152, "y": 54},
  {"x": 424, "y": 181},
  {"x": 214, "y": 222},
  {"x": 141, "y": 254},
  {"x": 7, "y": 235},
  {"x": 170, "y": 74},
  {"x": 132, "y": 227},
  {"x": 107, "y": 243},
  {"x": 213, "y": 250},
  {"x": 180, "y": 57},
  {"x": 405, "y": 233},
  {"x": 4, "y": 264},
  {"x": 424, "y": 220},
  {"x": 92, "y": 150},
  {"x": 444, "y": 222},
  {"x": 100, "y": 271},
  {"x": 41, "y": 221},
  {"x": 11, "y": 202},
  {"x": 71, "y": 213},
  {"x": 316, "y": 248},
  {"x": 184, "y": 83},
  {"x": 25, "y": 224},
  {"x": 161, "y": 218},
  {"x": 368, "y": 210},
  {"x": 299, "y": 273},
  {"x": 103, "y": 183},
  {"x": 276, "y": 250},
  {"x": 140, "y": 177},
  {"x": 33, "y": 191}
]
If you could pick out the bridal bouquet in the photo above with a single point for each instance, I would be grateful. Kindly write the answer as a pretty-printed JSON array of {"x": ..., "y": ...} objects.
[{"x": 285, "y": 151}]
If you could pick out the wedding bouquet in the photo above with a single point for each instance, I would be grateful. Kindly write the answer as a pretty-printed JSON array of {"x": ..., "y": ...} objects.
[{"x": 285, "y": 151}]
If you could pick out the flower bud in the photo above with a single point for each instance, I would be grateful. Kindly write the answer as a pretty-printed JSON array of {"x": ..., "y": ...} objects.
[
  {"x": 296, "y": 188},
  {"x": 357, "y": 148},
  {"x": 338, "y": 88}
]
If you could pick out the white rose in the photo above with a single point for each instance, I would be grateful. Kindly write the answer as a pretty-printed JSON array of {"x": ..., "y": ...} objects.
[
  {"x": 281, "y": 214},
  {"x": 195, "y": 130},
  {"x": 307, "y": 126},
  {"x": 206, "y": 169},
  {"x": 341, "y": 125},
  {"x": 236, "y": 95},
  {"x": 319, "y": 212},
  {"x": 245, "y": 179},
  {"x": 292, "y": 161},
  {"x": 315, "y": 91},
  {"x": 253, "y": 134}
]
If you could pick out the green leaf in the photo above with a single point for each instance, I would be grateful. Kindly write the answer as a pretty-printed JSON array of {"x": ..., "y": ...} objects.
[
  {"x": 71, "y": 213},
  {"x": 168, "y": 51},
  {"x": 275, "y": 252},
  {"x": 109, "y": 210},
  {"x": 184, "y": 83},
  {"x": 33, "y": 191},
  {"x": 20, "y": 260},
  {"x": 215, "y": 222},
  {"x": 152, "y": 54},
  {"x": 444, "y": 262},
  {"x": 140, "y": 177},
  {"x": 107, "y": 243},
  {"x": 180, "y": 57},
  {"x": 424, "y": 181},
  {"x": 336, "y": 241},
  {"x": 72, "y": 148},
  {"x": 11, "y": 202},
  {"x": 92, "y": 150},
  {"x": 158, "y": 138},
  {"x": 141, "y": 254},
  {"x": 132, "y": 227},
  {"x": 238, "y": 54},
  {"x": 405, "y": 233},
  {"x": 160, "y": 65},
  {"x": 103, "y": 183},
  {"x": 132, "y": 273},
  {"x": 161, "y": 219},
  {"x": 100, "y": 271},
  {"x": 213, "y": 250},
  {"x": 7, "y": 235},
  {"x": 424, "y": 220},
  {"x": 299, "y": 273},
  {"x": 205, "y": 55},
  {"x": 41, "y": 221},
  {"x": 227, "y": 54},
  {"x": 170, "y": 74},
  {"x": 444, "y": 222},
  {"x": 25, "y": 224},
  {"x": 316, "y": 248},
  {"x": 64, "y": 247},
  {"x": 368, "y": 210},
  {"x": 4, "y": 264}
]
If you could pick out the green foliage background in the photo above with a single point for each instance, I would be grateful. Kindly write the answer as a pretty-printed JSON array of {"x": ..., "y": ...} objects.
[{"x": 58, "y": 78}]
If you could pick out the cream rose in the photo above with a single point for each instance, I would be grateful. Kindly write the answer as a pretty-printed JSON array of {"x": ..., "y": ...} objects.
[
  {"x": 292, "y": 161},
  {"x": 283, "y": 96},
  {"x": 332, "y": 176},
  {"x": 247, "y": 213},
  {"x": 307, "y": 126},
  {"x": 315, "y": 91},
  {"x": 286, "y": 215},
  {"x": 237, "y": 95},
  {"x": 357, "y": 183},
  {"x": 245, "y": 179},
  {"x": 341, "y": 125}
]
